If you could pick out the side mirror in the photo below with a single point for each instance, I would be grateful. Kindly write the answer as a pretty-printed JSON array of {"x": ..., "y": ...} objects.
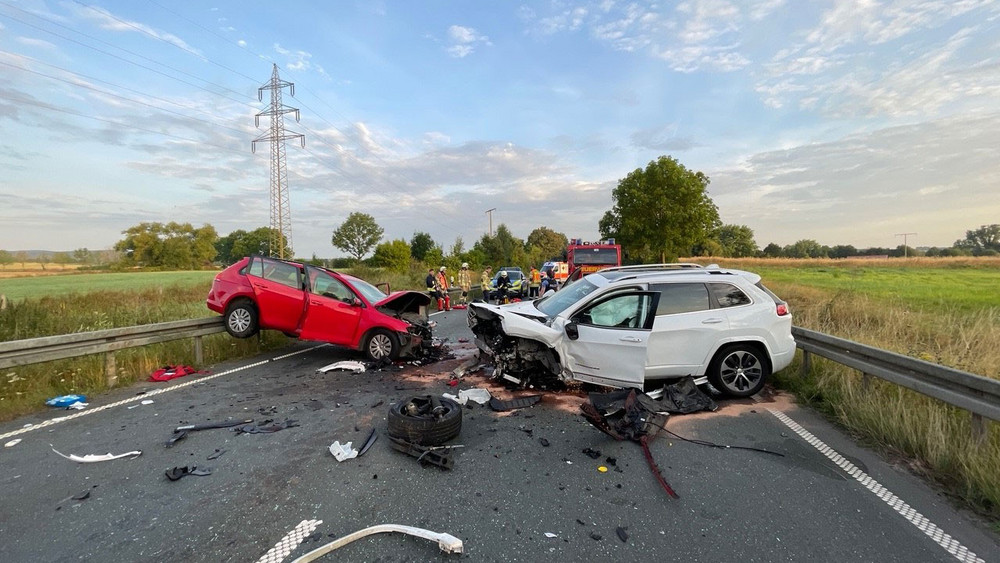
[
  {"x": 572, "y": 331},
  {"x": 355, "y": 302}
]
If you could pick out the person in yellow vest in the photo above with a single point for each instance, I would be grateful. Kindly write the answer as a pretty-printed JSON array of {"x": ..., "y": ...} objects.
[
  {"x": 442, "y": 279},
  {"x": 535, "y": 282},
  {"x": 465, "y": 281},
  {"x": 484, "y": 281}
]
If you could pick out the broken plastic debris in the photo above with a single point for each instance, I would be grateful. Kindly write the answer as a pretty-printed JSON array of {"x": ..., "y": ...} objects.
[
  {"x": 79, "y": 406},
  {"x": 349, "y": 365},
  {"x": 602, "y": 469},
  {"x": 147, "y": 402},
  {"x": 343, "y": 451},
  {"x": 175, "y": 473},
  {"x": 551, "y": 535},
  {"x": 446, "y": 542},
  {"x": 622, "y": 534},
  {"x": 480, "y": 396},
  {"x": 64, "y": 401},
  {"x": 92, "y": 458},
  {"x": 13, "y": 442}
]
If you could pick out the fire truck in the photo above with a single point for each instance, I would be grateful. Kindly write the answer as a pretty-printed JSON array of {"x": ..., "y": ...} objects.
[{"x": 590, "y": 257}]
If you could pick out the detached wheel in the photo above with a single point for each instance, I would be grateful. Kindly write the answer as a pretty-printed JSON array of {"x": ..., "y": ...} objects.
[
  {"x": 425, "y": 429},
  {"x": 381, "y": 345},
  {"x": 241, "y": 319},
  {"x": 739, "y": 370}
]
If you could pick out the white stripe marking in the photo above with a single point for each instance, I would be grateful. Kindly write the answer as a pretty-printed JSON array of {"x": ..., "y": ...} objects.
[
  {"x": 287, "y": 545},
  {"x": 144, "y": 396},
  {"x": 950, "y": 544}
]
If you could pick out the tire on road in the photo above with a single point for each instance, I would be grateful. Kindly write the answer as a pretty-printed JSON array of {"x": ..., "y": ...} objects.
[
  {"x": 425, "y": 430},
  {"x": 739, "y": 370}
]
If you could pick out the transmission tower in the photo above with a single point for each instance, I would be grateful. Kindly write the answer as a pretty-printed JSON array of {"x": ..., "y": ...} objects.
[{"x": 281, "y": 216}]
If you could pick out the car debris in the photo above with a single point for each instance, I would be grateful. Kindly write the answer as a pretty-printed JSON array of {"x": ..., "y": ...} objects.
[
  {"x": 64, "y": 401},
  {"x": 181, "y": 432},
  {"x": 93, "y": 458},
  {"x": 176, "y": 473},
  {"x": 434, "y": 455},
  {"x": 343, "y": 451},
  {"x": 518, "y": 403},
  {"x": 266, "y": 427},
  {"x": 425, "y": 420},
  {"x": 168, "y": 372},
  {"x": 478, "y": 395},
  {"x": 349, "y": 365},
  {"x": 622, "y": 534},
  {"x": 215, "y": 455},
  {"x": 372, "y": 436},
  {"x": 12, "y": 443},
  {"x": 77, "y": 406},
  {"x": 446, "y": 542}
]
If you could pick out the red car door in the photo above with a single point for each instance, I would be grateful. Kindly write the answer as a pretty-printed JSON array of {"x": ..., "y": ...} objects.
[
  {"x": 280, "y": 297},
  {"x": 333, "y": 312}
]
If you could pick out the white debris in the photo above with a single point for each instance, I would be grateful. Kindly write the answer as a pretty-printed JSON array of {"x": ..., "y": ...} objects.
[
  {"x": 551, "y": 535},
  {"x": 79, "y": 406},
  {"x": 13, "y": 442},
  {"x": 343, "y": 451},
  {"x": 92, "y": 458},
  {"x": 147, "y": 402},
  {"x": 480, "y": 396},
  {"x": 349, "y": 365}
]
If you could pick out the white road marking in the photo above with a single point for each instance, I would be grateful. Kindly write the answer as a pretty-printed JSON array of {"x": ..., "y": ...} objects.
[
  {"x": 145, "y": 396},
  {"x": 287, "y": 545},
  {"x": 950, "y": 544}
]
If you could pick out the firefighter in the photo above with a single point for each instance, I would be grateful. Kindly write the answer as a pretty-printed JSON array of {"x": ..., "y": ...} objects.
[
  {"x": 484, "y": 283},
  {"x": 536, "y": 282},
  {"x": 465, "y": 281},
  {"x": 442, "y": 280},
  {"x": 433, "y": 289},
  {"x": 503, "y": 286}
]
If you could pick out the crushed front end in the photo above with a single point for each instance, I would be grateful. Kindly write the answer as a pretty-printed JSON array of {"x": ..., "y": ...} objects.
[{"x": 519, "y": 361}]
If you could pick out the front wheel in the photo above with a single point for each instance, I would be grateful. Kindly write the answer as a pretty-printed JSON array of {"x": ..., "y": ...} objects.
[
  {"x": 380, "y": 345},
  {"x": 739, "y": 370},
  {"x": 241, "y": 319}
]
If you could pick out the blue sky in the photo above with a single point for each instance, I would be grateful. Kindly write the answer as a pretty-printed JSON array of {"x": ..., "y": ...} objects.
[{"x": 846, "y": 122}]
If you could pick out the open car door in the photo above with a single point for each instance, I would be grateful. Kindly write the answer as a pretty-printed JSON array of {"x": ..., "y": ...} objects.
[
  {"x": 606, "y": 341},
  {"x": 278, "y": 287}
]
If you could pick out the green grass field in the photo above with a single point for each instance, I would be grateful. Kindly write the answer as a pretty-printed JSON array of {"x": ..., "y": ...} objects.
[{"x": 65, "y": 284}]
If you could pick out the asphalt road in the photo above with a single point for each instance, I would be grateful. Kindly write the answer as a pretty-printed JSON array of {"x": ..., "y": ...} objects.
[{"x": 825, "y": 498}]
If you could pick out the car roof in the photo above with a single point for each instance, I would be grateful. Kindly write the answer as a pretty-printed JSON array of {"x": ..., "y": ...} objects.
[{"x": 653, "y": 273}]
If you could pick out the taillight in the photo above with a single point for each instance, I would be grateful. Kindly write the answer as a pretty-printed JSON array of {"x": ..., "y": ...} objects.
[{"x": 781, "y": 309}]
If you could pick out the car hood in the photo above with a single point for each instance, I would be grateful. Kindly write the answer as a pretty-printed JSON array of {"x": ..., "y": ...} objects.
[
  {"x": 516, "y": 321},
  {"x": 405, "y": 301}
]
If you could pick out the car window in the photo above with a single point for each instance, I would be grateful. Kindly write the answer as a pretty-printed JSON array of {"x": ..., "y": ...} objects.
[
  {"x": 370, "y": 292},
  {"x": 629, "y": 310},
  {"x": 564, "y": 298},
  {"x": 728, "y": 295},
  {"x": 681, "y": 298},
  {"x": 278, "y": 272},
  {"x": 322, "y": 283}
]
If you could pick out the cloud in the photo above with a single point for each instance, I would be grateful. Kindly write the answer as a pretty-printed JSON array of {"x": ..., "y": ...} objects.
[
  {"x": 464, "y": 41},
  {"x": 108, "y": 21},
  {"x": 299, "y": 61},
  {"x": 32, "y": 42},
  {"x": 662, "y": 138}
]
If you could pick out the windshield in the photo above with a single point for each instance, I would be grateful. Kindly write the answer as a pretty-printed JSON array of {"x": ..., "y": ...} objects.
[
  {"x": 559, "y": 301},
  {"x": 598, "y": 256},
  {"x": 370, "y": 292}
]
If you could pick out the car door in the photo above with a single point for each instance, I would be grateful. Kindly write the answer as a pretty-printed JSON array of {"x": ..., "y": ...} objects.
[
  {"x": 333, "y": 311},
  {"x": 687, "y": 329},
  {"x": 277, "y": 287},
  {"x": 606, "y": 341}
]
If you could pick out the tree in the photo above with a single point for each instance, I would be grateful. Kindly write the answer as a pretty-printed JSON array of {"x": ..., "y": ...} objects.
[
  {"x": 61, "y": 258},
  {"x": 736, "y": 241},
  {"x": 501, "y": 249},
  {"x": 394, "y": 255},
  {"x": 420, "y": 245},
  {"x": 172, "y": 245},
  {"x": 661, "y": 212},
  {"x": 843, "y": 251},
  {"x": 547, "y": 243},
  {"x": 772, "y": 250},
  {"x": 357, "y": 235},
  {"x": 239, "y": 243},
  {"x": 82, "y": 256},
  {"x": 6, "y": 258},
  {"x": 805, "y": 248},
  {"x": 984, "y": 238}
]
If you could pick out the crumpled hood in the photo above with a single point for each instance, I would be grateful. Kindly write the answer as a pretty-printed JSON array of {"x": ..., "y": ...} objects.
[
  {"x": 405, "y": 301},
  {"x": 514, "y": 322}
]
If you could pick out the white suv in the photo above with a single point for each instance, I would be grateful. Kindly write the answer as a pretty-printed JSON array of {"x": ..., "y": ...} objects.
[{"x": 624, "y": 327}]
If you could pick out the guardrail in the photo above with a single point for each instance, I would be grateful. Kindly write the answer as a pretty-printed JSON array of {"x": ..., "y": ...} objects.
[
  {"x": 47, "y": 348},
  {"x": 977, "y": 394}
]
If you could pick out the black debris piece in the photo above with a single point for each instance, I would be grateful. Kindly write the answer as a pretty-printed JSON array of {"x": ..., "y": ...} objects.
[
  {"x": 181, "y": 432},
  {"x": 543, "y": 442},
  {"x": 684, "y": 397},
  {"x": 611, "y": 461},
  {"x": 266, "y": 427},
  {"x": 368, "y": 443},
  {"x": 622, "y": 534},
  {"x": 81, "y": 496},
  {"x": 592, "y": 454},
  {"x": 433, "y": 455},
  {"x": 581, "y": 522},
  {"x": 378, "y": 403},
  {"x": 176, "y": 473},
  {"x": 216, "y": 454},
  {"x": 595, "y": 536},
  {"x": 519, "y": 403}
]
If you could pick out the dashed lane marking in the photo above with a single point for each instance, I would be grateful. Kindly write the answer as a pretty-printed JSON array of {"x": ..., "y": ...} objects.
[
  {"x": 950, "y": 544},
  {"x": 149, "y": 394},
  {"x": 287, "y": 545}
]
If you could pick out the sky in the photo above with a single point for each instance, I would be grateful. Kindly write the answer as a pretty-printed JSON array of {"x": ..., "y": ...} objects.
[{"x": 844, "y": 122}]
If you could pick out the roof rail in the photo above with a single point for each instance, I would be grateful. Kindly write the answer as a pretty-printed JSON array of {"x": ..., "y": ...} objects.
[{"x": 654, "y": 267}]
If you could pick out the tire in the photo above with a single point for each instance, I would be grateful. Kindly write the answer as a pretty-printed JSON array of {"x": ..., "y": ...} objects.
[
  {"x": 739, "y": 370},
  {"x": 380, "y": 344},
  {"x": 425, "y": 431},
  {"x": 241, "y": 319}
]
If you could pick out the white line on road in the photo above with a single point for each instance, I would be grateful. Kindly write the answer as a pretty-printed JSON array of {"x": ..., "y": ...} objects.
[
  {"x": 950, "y": 544},
  {"x": 287, "y": 545},
  {"x": 145, "y": 396}
]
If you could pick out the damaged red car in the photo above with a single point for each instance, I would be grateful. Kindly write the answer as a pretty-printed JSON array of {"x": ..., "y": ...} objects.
[{"x": 313, "y": 303}]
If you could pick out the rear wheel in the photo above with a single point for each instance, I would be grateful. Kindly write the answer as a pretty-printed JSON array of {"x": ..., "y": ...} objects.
[
  {"x": 739, "y": 370},
  {"x": 241, "y": 319},
  {"x": 381, "y": 345}
]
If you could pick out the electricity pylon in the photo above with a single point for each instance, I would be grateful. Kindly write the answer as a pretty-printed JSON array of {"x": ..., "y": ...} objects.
[{"x": 281, "y": 216}]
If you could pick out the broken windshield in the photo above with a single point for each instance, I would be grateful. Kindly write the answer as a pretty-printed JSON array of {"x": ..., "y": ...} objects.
[{"x": 559, "y": 301}]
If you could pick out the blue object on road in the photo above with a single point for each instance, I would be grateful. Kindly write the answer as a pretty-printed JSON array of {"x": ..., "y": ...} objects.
[{"x": 65, "y": 400}]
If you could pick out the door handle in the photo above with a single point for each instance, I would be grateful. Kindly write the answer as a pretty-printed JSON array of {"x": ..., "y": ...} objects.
[
  {"x": 630, "y": 339},
  {"x": 711, "y": 321}
]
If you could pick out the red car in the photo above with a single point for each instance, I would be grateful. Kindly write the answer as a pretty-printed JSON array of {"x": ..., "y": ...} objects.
[{"x": 314, "y": 303}]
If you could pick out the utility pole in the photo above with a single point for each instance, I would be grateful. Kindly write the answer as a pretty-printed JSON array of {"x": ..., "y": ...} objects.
[
  {"x": 281, "y": 216},
  {"x": 905, "y": 247},
  {"x": 490, "y": 213}
]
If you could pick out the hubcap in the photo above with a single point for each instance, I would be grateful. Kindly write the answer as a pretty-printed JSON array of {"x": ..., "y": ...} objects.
[
  {"x": 239, "y": 320},
  {"x": 380, "y": 346},
  {"x": 741, "y": 370}
]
